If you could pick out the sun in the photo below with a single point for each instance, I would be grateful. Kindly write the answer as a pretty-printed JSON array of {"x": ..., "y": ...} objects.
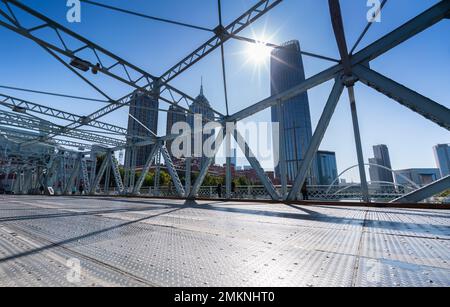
[{"x": 258, "y": 53}]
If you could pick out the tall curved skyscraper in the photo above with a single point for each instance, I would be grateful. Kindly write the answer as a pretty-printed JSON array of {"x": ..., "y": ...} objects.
[{"x": 287, "y": 71}]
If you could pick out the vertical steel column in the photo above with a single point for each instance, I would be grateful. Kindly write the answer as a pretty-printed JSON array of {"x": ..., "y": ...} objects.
[
  {"x": 73, "y": 176},
  {"x": 359, "y": 150},
  {"x": 8, "y": 171},
  {"x": 133, "y": 169},
  {"x": 114, "y": 166},
  {"x": 93, "y": 168},
  {"x": 156, "y": 180},
  {"x": 187, "y": 176},
  {"x": 282, "y": 151},
  {"x": 99, "y": 177},
  {"x": 127, "y": 167},
  {"x": 108, "y": 176},
  {"x": 228, "y": 176}
]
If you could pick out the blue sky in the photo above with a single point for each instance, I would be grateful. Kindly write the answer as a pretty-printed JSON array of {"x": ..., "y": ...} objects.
[{"x": 423, "y": 64}]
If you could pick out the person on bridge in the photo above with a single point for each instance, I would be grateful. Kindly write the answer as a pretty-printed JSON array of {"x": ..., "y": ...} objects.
[
  {"x": 305, "y": 191},
  {"x": 219, "y": 190}
]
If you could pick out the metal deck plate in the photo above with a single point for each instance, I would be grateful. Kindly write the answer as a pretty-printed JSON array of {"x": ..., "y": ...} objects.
[{"x": 137, "y": 242}]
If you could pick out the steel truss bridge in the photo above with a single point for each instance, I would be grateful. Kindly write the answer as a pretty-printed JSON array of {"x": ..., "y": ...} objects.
[{"x": 38, "y": 152}]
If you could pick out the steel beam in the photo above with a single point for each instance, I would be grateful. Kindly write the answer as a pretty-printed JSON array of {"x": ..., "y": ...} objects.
[
  {"x": 228, "y": 175},
  {"x": 116, "y": 172},
  {"x": 282, "y": 151},
  {"x": 426, "y": 107},
  {"x": 100, "y": 175},
  {"x": 268, "y": 185},
  {"x": 411, "y": 28},
  {"x": 187, "y": 176},
  {"x": 426, "y": 192},
  {"x": 24, "y": 136},
  {"x": 272, "y": 101},
  {"x": 146, "y": 169},
  {"x": 359, "y": 150},
  {"x": 75, "y": 173},
  {"x": 207, "y": 164},
  {"x": 222, "y": 35},
  {"x": 317, "y": 138},
  {"x": 26, "y": 106},
  {"x": 172, "y": 171},
  {"x": 371, "y": 52},
  {"x": 26, "y": 122}
]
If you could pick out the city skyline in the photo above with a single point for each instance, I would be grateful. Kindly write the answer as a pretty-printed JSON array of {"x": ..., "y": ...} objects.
[{"x": 246, "y": 86}]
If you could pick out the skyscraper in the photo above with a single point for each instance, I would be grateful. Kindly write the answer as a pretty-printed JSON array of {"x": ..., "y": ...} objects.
[
  {"x": 442, "y": 154},
  {"x": 234, "y": 157},
  {"x": 327, "y": 167},
  {"x": 200, "y": 107},
  {"x": 175, "y": 115},
  {"x": 144, "y": 109},
  {"x": 381, "y": 158},
  {"x": 287, "y": 71}
]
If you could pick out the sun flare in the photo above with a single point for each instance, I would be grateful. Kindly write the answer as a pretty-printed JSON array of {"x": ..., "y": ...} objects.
[{"x": 258, "y": 53}]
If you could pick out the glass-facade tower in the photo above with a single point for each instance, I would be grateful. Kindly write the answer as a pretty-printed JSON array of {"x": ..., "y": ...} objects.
[
  {"x": 175, "y": 114},
  {"x": 327, "y": 168},
  {"x": 287, "y": 71},
  {"x": 442, "y": 154},
  {"x": 144, "y": 108}
]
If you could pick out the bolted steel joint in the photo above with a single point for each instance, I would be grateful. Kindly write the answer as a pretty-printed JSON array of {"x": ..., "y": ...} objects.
[{"x": 221, "y": 32}]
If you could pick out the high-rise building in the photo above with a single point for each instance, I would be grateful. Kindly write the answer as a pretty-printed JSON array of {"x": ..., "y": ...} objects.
[
  {"x": 381, "y": 158},
  {"x": 175, "y": 115},
  {"x": 327, "y": 168},
  {"x": 234, "y": 157},
  {"x": 442, "y": 154},
  {"x": 420, "y": 176},
  {"x": 200, "y": 107},
  {"x": 287, "y": 71},
  {"x": 144, "y": 109},
  {"x": 374, "y": 171}
]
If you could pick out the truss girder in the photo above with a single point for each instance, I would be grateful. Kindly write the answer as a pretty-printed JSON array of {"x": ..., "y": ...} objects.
[
  {"x": 20, "y": 121},
  {"x": 146, "y": 169},
  {"x": 253, "y": 14},
  {"x": 116, "y": 172},
  {"x": 16, "y": 103},
  {"x": 22, "y": 137},
  {"x": 426, "y": 107},
  {"x": 127, "y": 73},
  {"x": 127, "y": 69},
  {"x": 100, "y": 174},
  {"x": 371, "y": 52},
  {"x": 172, "y": 171},
  {"x": 426, "y": 192}
]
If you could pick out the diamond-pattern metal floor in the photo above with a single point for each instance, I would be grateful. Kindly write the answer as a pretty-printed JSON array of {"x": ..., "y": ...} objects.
[{"x": 138, "y": 242}]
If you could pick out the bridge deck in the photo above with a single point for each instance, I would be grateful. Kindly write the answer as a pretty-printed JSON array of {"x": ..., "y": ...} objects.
[{"x": 129, "y": 242}]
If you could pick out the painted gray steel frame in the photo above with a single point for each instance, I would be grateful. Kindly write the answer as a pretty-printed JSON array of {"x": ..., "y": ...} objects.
[
  {"x": 350, "y": 66},
  {"x": 13, "y": 102},
  {"x": 426, "y": 192},
  {"x": 26, "y": 122}
]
